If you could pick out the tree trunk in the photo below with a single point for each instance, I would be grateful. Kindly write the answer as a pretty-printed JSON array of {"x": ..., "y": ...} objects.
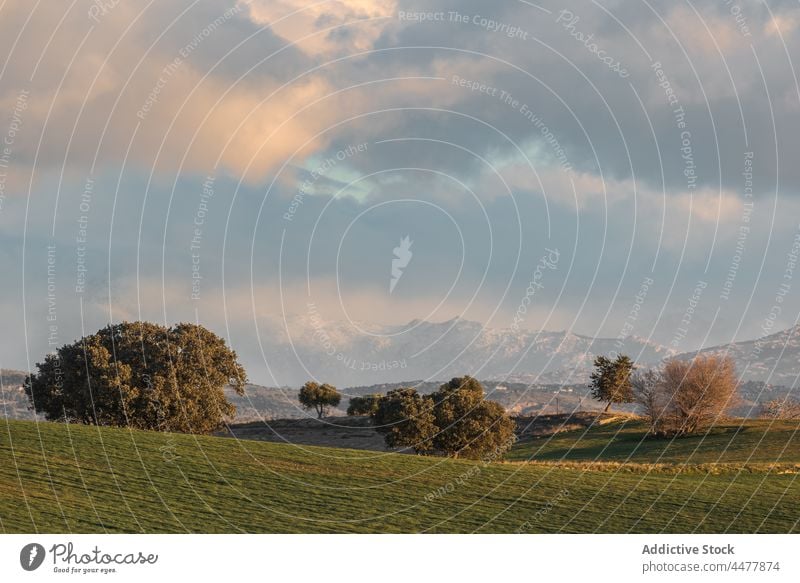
[{"x": 607, "y": 407}]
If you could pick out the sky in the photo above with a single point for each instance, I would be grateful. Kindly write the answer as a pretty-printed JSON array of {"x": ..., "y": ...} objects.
[{"x": 242, "y": 163}]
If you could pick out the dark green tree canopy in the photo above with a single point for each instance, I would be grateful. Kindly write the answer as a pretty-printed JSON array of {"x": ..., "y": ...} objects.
[
  {"x": 469, "y": 426},
  {"x": 140, "y": 375},
  {"x": 366, "y": 405},
  {"x": 611, "y": 380},
  {"x": 319, "y": 397},
  {"x": 405, "y": 418},
  {"x": 455, "y": 421},
  {"x": 467, "y": 390}
]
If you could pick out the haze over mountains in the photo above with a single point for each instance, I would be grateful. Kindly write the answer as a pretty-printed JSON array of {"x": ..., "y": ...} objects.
[
  {"x": 527, "y": 372},
  {"x": 340, "y": 353}
]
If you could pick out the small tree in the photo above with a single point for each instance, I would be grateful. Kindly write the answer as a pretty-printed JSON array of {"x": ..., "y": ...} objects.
[
  {"x": 611, "y": 380},
  {"x": 697, "y": 392},
  {"x": 366, "y": 405},
  {"x": 319, "y": 397},
  {"x": 781, "y": 409},
  {"x": 405, "y": 418},
  {"x": 140, "y": 375},
  {"x": 648, "y": 390},
  {"x": 468, "y": 425}
]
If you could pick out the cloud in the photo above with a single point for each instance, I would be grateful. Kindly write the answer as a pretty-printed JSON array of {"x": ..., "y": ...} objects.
[
  {"x": 782, "y": 24},
  {"x": 138, "y": 89},
  {"x": 122, "y": 87},
  {"x": 335, "y": 27},
  {"x": 189, "y": 89}
]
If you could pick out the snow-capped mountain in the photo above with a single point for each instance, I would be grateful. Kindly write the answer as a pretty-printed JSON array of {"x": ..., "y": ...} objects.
[
  {"x": 773, "y": 359},
  {"x": 349, "y": 354}
]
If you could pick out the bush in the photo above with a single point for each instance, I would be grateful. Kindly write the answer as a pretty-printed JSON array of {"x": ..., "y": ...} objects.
[
  {"x": 140, "y": 375},
  {"x": 366, "y": 405},
  {"x": 319, "y": 397}
]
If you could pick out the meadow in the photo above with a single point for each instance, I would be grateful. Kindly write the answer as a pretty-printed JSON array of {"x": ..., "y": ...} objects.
[
  {"x": 734, "y": 441},
  {"x": 70, "y": 478}
]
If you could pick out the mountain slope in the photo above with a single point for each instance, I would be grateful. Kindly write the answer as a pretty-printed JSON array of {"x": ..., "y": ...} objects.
[
  {"x": 773, "y": 359},
  {"x": 357, "y": 354},
  {"x": 340, "y": 353}
]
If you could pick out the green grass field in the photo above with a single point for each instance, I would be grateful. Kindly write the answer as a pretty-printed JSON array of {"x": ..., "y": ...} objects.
[
  {"x": 751, "y": 441},
  {"x": 56, "y": 478}
]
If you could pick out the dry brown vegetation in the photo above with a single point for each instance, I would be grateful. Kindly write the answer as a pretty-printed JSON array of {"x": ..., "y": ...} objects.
[
  {"x": 781, "y": 409},
  {"x": 670, "y": 468},
  {"x": 685, "y": 397}
]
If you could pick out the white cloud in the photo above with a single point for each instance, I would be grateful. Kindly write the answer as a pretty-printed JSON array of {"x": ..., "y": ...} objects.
[{"x": 324, "y": 28}]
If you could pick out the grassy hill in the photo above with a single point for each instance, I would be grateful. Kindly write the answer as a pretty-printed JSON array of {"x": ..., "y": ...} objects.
[
  {"x": 57, "y": 478},
  {"x": 624, "y": 440}
]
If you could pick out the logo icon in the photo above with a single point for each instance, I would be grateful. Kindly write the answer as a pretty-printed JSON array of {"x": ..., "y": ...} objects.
[
  {"x": 402, "y": 256},
  {"x": 31, "y": 556}
]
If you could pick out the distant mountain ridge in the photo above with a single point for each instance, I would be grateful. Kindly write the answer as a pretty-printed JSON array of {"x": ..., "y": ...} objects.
[
  {"x": 527, "y": 372},
  {"x": 340, "y": 353},
  {"x": 773, "y": 359}
]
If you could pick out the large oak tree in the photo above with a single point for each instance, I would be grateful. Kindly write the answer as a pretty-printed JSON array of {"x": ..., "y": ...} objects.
[
  {"x": 456, "y": 421},
  {"x": 140, "y": 375}
]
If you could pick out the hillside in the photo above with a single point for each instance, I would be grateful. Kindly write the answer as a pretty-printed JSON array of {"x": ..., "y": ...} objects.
[
  {"x": 339, "y": 431},
  {"x": 773, "y": 359},
  {"x": 56, "y": 478},
  {"x": 260, "y": 403},
  {"x": 624, "y": 440}
]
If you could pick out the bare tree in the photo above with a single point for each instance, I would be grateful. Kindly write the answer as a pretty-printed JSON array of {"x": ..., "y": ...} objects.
[
  {"x": 648, "y": 391},
  {"x": 781, "y": 409},
  {"x": 698, "y": 391}
]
